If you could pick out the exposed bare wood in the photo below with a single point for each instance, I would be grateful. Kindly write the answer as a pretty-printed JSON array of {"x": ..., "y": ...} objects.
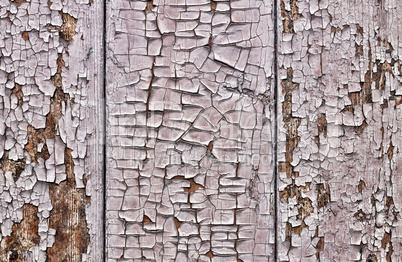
[{"x": 50, "y": 130}]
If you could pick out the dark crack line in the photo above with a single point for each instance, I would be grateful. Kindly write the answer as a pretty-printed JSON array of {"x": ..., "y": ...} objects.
[
  {"x": 104, "y": 253},
  {"x": 276, "y": 129}
]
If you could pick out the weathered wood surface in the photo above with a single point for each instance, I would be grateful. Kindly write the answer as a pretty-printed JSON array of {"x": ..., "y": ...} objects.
[
  {"x": 50, "y": 156},
  {"x": 190, "y": 131},
  {"x": 339, "y": 143},
  {"x": 190, "y": 127}
]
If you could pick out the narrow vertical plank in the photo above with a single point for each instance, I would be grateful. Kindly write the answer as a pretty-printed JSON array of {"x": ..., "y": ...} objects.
[
  {"x": 190, "y": 130},
  {"x": 339, "y": 130},
  {"x": 50, "y": 130}
]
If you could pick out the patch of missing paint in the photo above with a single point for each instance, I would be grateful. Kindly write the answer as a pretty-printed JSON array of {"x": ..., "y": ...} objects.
[
  {"x": 15, "y": 167},
  {"x": 289, "y": 16},
  {"x": 323, "y": 195},
  {"x": 67, "y": 30},
  {"x": 304, "y": 204},
  {"x": 17, "y": 91},
  {"x": 18, "y": 3},
  {"x": 24, "y": 236},
  {"x": 213, "y": 6},
  {"x": 291, "y": 123},
  {"x": 68, "y": 217},
  {"x": 322, "y": 124},
  {"x": 37, "y": 136}
]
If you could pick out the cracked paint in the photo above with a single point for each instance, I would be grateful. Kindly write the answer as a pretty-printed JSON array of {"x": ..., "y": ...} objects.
[
  {"x": 24, "y": 236},
  {"x": 189, "y": 130},
  {"x": 340, "y": 80},
  {"x": 48, "y": 144}
]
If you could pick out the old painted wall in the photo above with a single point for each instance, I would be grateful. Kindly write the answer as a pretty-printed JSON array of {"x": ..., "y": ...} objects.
[{"x": 234, "y": 131}]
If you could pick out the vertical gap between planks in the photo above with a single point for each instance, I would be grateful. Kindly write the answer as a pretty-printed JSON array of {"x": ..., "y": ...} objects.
[
  {"x": 104, "y": 253},
  {"x": 276, "y": 86}
]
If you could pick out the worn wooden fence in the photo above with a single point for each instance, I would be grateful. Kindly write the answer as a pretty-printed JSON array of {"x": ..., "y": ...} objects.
[{"x": 200, "y": 130}]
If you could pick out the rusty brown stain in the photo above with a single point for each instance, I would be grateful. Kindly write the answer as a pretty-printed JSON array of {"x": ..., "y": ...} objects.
[
  {"x": 210, "y": 146},
  {"x": 293, "y": 230},
  {"x": 193, "y": 186},
  {"x": 361, "y": 186},
  {"x": 323, "y": 195},
  {"x": 386, "y": 241},
  {"x": 150, "y": 6},
  {"x": 213, "y": 6},
  {"x": 358, "y": 50},
  {"x": 319, "y": 247},
  {"x": 146, "y": 219},
  {"x": 15, "y": 167},
  {"x": 378, "y": 77},
  {"x": 359, "y": 29},
  {"x": 359, "y": 129},
  {"x": 290, "y": 123},
  {"x": 37, "y": 136},
  {"x": 209, "y": 254},
  {"x": 17, "y": 91},
  {"x": 25, "y": 35},
  {"x": 67, "y": 30},
  {"x": 24, "y": 236},
  {"x": 389, "y": 201},
  {"x": 68, "y": 217},
  {"x": 384, "y": 104},
  {"x": 390, "y": 151},
  {"x": 304, "y": 207},
  {"x": 289, "y": 16},
  {"x": 293, "y": 190},
  {"x": 177, "y": 223},
  {"x": 360, "y": 215},
  {"x": 322, "y": 124},
  {"x": 18, "y": 3},
  {"x": 355, "y": 98}
]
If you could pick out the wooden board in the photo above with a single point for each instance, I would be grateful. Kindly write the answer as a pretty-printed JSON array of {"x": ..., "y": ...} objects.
[
  {"x": 339, "y": 130},
  {"x": 51, "y": 82},
  {"x": 190, "y": 131}
]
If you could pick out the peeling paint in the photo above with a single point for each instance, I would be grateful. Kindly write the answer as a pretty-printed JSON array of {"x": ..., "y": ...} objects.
[
  {"x": 24, "y": 236},
  {"x": 68, "y": 217},
  {"x": 339, "y": 87},
  {"x": 49, "y": 149}
]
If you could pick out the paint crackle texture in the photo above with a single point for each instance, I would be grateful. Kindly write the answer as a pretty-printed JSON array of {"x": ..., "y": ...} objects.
[
  {"x": 48, "y": 198},
  {"x": 339, "y": 130},
  {"x": 200, "y": 130},
  {"x": 190, "y": 131}
]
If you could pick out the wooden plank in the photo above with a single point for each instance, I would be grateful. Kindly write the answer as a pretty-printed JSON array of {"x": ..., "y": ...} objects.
[
  {"x": 190, "y": 132},
  {"x": 51, "y": 130},
  {"x": 339, "y": 130}
]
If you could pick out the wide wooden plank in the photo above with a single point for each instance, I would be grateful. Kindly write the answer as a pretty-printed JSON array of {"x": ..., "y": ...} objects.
[
  {"x": 190, "y": 130},
  {"x": 339, "y": 130},
  {"x": 51, "y": 130}
]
